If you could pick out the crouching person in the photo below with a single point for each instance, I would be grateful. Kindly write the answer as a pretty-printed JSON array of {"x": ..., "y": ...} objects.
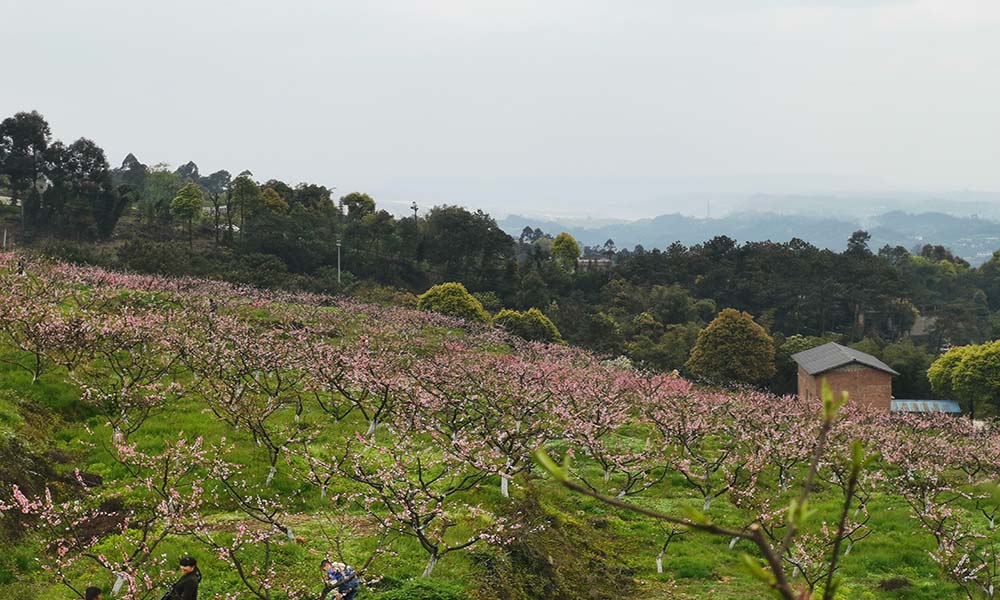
[
  {"x": 350, "y": 582},
  {"x": 341, "y": 580}
]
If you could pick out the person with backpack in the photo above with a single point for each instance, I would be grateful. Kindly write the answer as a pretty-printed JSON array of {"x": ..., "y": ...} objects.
[
  {"x": 186, "y": 587},
  {"x": 330, "y": 579},
  {"x": 340, "y": 579},
  {"x": 92, "y": 593},
  {"x": 350, "y": 582}
]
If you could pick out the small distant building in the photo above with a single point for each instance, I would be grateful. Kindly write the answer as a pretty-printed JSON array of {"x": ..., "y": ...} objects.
[
  {"x": 866, "y": 379},
  {"x": 922, "y": 326},
  {"x": 593, "y": 263}
]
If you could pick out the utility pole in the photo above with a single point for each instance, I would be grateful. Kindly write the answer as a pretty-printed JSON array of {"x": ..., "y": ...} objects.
[{"x": 338, "y": 261}]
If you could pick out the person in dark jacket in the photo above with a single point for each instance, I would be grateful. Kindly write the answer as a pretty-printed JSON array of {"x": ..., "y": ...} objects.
[
  {"x": 186, "y": 587},
  {"x": 92, "y": 593}
]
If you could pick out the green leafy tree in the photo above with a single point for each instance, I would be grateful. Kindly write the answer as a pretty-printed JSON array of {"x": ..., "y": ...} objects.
[
  {"x": 24, "y": 139},
  {"x": 460, "y": 245},
  {"x": 216, "y": 187},
  {"x": 186, "y": 205},
  {"x": 357, "y": 205},
  {"x": 531, "y": 325},
  {"x": 271, "y": 200},
  {"x": 91, "y": 179},
  {"x": 912, "y": 362},
  {"x": 132, "y": 173},
  {"x": 80, "y": 199},
  {"x": 969, "y": 374},
  {"x": 565, "y": 251},
  {"x": 160, "y": 187},
  {"x": 245, "y": 198},
  {"x": 454, "y": 300},
  {"x": 942, "y": 371},
  {"x": 868, "y": 346},
  {"x": 975, "y": 378},
  {"x": 665, "y": 347},
  {"x": 733, "y": 348}
]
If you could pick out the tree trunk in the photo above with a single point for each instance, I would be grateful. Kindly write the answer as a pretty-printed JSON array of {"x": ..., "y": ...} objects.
[
  {"x": 372, "y": 426},
  {"x": 707, "y": 503},
  {"x": 505, "y": 480},
  {"x": 431, "y": 563},
  {"x": 229, "y": 218}
]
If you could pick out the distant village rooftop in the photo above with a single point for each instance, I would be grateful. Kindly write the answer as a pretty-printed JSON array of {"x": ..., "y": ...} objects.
[{"x": 834, "y": 356}]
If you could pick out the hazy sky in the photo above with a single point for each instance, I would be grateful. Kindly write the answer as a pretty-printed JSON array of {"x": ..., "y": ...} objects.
[{"x": 544, "y": 105}]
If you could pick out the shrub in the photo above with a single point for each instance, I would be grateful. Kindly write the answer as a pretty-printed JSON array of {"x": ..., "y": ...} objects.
[
  {"x": 531, "y": 325},
  {"x": 454, "y": 300},
  {"x": 150, "y": 257},
  {"x": 374, "y": 293},
  {"x": 490, "y": 300},
  {"x": 424, "y": 589}
]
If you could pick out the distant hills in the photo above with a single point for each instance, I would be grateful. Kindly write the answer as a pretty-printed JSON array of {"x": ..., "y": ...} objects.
[{"x": 973, "y": 238}]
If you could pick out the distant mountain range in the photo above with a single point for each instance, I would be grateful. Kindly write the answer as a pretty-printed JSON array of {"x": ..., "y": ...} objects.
[{"x": 973, "y": 238}]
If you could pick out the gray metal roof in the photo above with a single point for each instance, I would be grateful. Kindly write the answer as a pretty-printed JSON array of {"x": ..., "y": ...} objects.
[
  {"x": 832, "y": 355},
  {"x": 925, "y": 406}
]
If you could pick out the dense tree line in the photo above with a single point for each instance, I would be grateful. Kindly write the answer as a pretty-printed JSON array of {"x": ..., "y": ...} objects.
[{"x": 903, "y": 305}]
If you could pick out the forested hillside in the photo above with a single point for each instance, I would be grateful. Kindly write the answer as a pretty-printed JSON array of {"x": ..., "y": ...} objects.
[{"x": 648, "y": 305}]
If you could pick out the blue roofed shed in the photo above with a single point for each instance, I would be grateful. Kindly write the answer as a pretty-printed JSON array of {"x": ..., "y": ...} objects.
[{"x": 925, "y": 406}]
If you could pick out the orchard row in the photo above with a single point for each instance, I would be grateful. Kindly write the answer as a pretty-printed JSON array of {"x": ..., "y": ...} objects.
[{"x": 388, "y": 423}]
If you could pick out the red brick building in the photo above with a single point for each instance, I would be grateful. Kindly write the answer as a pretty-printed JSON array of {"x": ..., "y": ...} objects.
[{"x": 866, "y": 379}]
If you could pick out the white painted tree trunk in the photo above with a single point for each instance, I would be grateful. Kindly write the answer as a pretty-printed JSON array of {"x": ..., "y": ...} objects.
[
  {"x": 659, "y": 563},
  {"x": 431, "y": 563},
  {"x": 505, "y": 479},
  {"x": 117, "y": 587},
  {"x": 270, "y": 476},
  {"x": 372, "y": 426},
  {"x": 707, "y": 503},
  {"x": 733, "y": 542}
]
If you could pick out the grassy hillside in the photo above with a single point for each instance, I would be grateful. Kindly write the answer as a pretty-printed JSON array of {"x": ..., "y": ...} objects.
[{"x": 258, "y": 470}]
